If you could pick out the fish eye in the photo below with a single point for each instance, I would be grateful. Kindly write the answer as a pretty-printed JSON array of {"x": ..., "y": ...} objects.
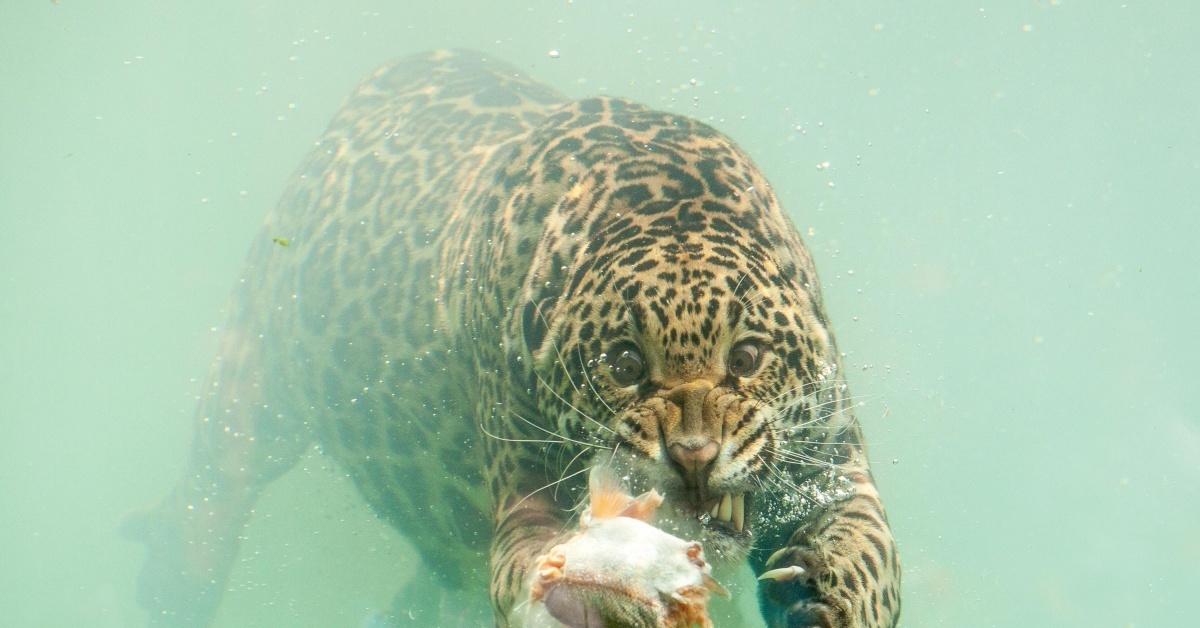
[
  {"x": 744, "y": 359},
  {"x": 628, "y": 367}
]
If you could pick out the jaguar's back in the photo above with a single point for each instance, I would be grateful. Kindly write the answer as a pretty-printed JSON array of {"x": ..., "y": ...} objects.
[
  {"x": 337, "y": 337},
  {"x": 377, "y": 209}
]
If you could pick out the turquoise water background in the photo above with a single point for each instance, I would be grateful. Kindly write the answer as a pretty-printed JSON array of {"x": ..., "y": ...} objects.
[{"x": 1003, "y": 199}]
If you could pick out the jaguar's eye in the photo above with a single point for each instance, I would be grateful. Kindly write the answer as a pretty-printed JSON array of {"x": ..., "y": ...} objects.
[
  {"x": 743, "y": 359},
  {"x": 627, "y": 366}
]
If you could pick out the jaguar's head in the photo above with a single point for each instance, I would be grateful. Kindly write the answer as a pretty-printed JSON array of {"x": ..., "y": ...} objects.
[{"x": 675, "y": 325}]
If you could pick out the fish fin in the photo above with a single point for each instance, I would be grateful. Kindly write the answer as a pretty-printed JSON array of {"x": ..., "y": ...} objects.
[
  {"x": 607, "y": 498},
  {"x": 643, "y": 506},
  {"x": 712, "y": 585}
]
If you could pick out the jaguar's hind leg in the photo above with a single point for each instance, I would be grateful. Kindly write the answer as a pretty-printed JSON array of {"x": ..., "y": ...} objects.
[{"x": 242, "y": 442}]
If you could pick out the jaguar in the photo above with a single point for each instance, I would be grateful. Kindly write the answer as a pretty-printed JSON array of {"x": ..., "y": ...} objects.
[{"x": 473, "y": 290}]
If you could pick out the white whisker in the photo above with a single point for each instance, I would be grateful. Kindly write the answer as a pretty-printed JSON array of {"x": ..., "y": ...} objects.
[
  {"x": 564, "y": 469},
  {"x": 566, "y": 371},
  {"x": 587, "y": 378},
  {"x": 519, "y": 440},
  {"x": 554, "y": 483},
  {"x": 566, "y": 439},
  {"x": 568, "y": 403}
]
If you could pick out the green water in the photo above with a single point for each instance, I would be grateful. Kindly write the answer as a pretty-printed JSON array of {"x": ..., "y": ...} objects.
[{"x": 1002, "y": 199}]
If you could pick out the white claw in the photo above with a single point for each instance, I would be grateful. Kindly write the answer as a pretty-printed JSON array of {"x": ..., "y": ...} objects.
[
  {"x": 783, "y": 573},
  {"x": 779, "y": 552}
]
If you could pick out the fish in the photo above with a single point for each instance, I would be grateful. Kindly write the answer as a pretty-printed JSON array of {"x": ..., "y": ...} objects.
[{"x": 619, "y": 569}]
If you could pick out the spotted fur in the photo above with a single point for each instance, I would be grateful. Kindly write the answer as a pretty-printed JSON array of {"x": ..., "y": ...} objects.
[{"x": 469, "y": 253}]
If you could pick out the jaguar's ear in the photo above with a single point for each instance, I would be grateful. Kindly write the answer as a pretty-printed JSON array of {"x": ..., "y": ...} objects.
[{"x": 533, "y": 328}]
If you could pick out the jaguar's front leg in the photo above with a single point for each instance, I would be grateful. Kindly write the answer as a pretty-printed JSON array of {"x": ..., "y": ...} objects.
[
  {"x": 526, "y": 529},
  {"x": 838, "y": 570}
]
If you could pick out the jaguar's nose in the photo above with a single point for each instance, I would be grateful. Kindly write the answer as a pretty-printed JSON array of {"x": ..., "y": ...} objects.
[{"x": 694, "y": 454}]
